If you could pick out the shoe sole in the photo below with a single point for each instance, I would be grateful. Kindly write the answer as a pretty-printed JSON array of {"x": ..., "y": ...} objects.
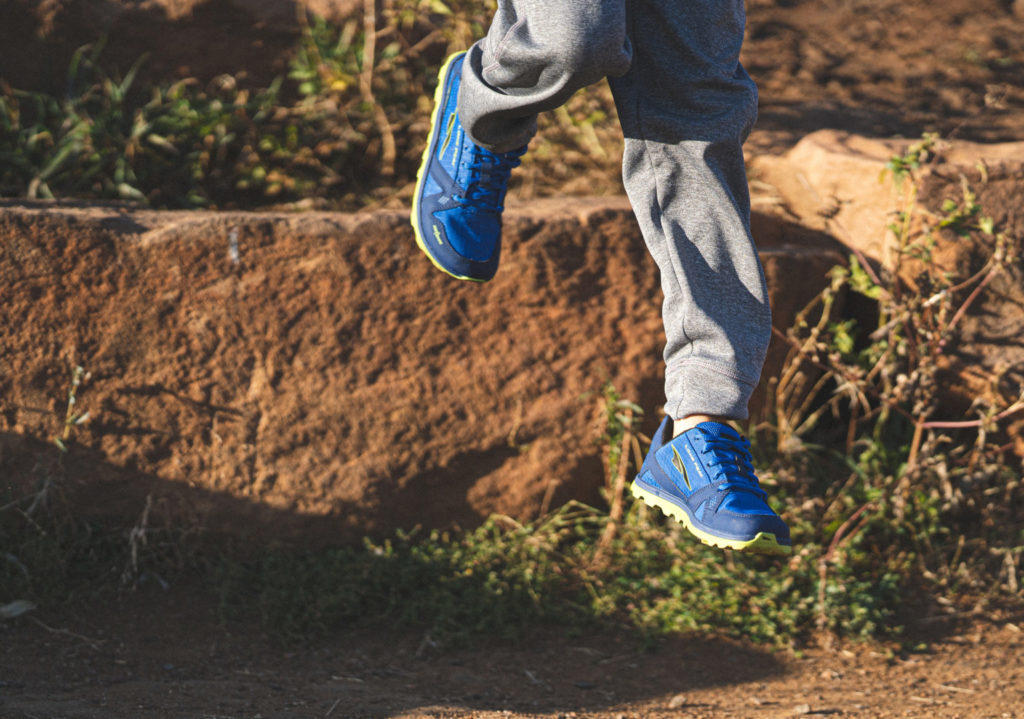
[
  {"x": 763, "y": 543},
  {"x": 421, "y": 176}
]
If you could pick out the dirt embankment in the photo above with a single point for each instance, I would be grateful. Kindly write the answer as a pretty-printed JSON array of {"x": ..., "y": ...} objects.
[{"x": 315, "y": 375}]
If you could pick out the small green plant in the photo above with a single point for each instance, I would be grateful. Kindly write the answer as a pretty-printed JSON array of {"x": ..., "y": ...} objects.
[
  {"x": 165, "y": 145},
  {"x": 917, "y": 154},
  {"x": 579, "y": 565},
  {"x": 51, "y": 471},
  {"x": 72, "y": 416}
]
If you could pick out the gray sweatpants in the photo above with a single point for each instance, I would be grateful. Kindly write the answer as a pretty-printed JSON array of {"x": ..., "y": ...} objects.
[{"x": 686, "y": 106}]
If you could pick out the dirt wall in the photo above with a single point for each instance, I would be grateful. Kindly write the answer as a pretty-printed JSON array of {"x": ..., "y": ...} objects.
[{"x": 313, "y": 375}]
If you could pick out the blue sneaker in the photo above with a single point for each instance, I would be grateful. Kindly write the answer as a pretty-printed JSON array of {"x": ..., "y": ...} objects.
[
  {"x": 460, "y": 188},
  {"x": 705, "y": 479}
]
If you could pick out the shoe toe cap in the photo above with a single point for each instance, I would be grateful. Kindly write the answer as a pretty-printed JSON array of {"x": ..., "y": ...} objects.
[
  {"x": 748, "y": 526},
  {"x": 473, "y": 235}
]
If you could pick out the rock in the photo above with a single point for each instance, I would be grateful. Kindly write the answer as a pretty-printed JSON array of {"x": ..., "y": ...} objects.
[
  {"x": 832, "y": 182},
  {"x": 835, "y": 182},
  {"x": 312, "y": 376},
  {"x": 677, "y": 702}
]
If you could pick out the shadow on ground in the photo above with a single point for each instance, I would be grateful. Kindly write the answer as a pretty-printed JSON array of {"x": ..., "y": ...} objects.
[{"x": 160, "y": 653}]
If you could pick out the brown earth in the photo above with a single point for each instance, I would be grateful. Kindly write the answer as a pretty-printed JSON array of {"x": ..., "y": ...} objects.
[
  {"x": 887, "y": 67},
  {"x": 311, "y": 375},
  {"x": 160, "y": 655},
  {"x": 874, "y": 67}
]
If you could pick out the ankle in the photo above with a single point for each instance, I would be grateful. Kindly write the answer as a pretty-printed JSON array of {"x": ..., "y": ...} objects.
[{"x": 690, "y": 421}]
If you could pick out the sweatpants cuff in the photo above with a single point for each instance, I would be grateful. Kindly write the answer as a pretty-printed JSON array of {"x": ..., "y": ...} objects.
[{"x": 700, "y": 386}]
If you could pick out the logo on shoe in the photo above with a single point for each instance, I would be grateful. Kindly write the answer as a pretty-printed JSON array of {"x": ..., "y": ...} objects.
[
  {"x": 448, "y": 133},
  {"x": 458, "y": 150},
  {"x": 437, "y": 234},
  {"x": 677, "y": 462}
]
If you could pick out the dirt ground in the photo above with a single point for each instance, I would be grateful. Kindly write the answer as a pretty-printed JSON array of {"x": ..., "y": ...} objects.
[
  {"x": 874, "y": 67},
  {"x": 877, "y": 67},
  {"x": 162, "y": 655},
  {"x": 887, "y": 67}
]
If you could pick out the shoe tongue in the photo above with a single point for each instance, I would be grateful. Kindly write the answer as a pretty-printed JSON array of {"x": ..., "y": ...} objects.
[
  {"x": 515, "y": 154},
  {"x": 718, "y": 429}
]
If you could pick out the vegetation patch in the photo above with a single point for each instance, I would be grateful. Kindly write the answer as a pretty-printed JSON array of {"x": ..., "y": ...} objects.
[{"x": 343, "y": 130}]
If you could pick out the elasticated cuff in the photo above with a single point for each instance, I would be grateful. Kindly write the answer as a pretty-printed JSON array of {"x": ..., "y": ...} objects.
[{"x": 701, "y": 386}]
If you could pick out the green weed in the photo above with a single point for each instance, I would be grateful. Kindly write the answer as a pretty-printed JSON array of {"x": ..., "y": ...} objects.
[{"x": 170, "y": 145}]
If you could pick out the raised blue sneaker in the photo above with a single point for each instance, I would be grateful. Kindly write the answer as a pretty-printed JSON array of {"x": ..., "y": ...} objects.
[
  {"x": 460, "y": 188},
  {"x": 705, "y": 479}
]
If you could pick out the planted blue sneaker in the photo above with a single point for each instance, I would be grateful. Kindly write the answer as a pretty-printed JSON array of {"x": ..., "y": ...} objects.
[
  {"x": 705, "y": 479},
  {"x": 460, "y": 188}
]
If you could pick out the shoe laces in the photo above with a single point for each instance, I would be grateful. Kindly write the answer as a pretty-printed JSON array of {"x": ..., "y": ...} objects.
[
  {"x": 488, "y": 176},
  {"x": 730, "y": 458}
]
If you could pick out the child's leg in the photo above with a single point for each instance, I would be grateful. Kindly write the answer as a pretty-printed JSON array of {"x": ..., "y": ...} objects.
[
  {"x": 536, "y": 54},
  {"x": 686, "y": 105}
]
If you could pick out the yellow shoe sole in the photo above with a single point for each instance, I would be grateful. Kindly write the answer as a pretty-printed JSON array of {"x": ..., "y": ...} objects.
[{"x": 763, "y": 543}]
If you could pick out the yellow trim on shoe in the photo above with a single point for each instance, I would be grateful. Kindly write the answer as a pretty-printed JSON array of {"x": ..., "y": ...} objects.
[
  {"x": 763, "y": 543},
  {"x": 421, "y": 175}
]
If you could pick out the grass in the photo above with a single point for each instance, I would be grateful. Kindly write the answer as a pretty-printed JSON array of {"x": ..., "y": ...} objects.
[
  {"x": 869, "y": 556},
  {"x": 504, "y": 576}
]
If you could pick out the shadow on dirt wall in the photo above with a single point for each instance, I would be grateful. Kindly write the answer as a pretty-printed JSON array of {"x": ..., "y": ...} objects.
[
  {"x": 83, "y": 482},
  {"x": 255, "y": 381}
]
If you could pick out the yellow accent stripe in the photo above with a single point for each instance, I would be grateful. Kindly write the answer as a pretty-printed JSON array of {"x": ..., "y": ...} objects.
[
  {"x": 678, "y": 462},
  {"x": 763, "y": 543},
  {"x": 421, "y": 176},
  {"x": 448, "y": 133}
]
